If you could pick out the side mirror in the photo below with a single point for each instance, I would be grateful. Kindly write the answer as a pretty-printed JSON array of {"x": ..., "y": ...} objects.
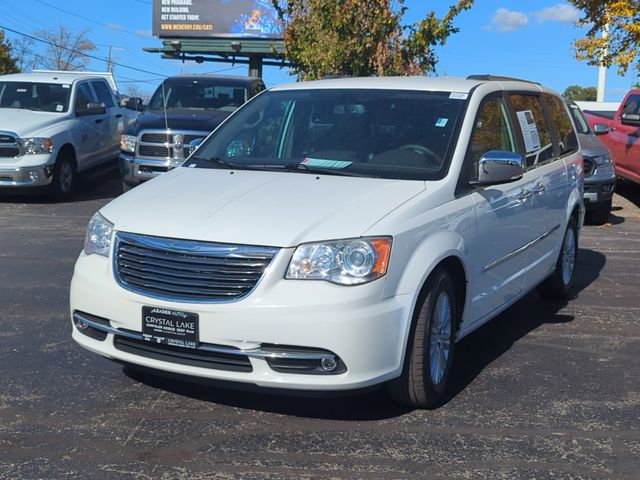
[
  {"x": 600, "y": 129},
  {"x": 193, "y": 145},
  {"x": 134, "y": 103},
  {"x": 91, "y": 109},
  {"x": 631, "y": 119},
  {"x": 497, "y": 166}
]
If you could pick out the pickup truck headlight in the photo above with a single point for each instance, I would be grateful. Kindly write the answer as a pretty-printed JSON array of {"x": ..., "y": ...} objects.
[
  {"x": 603, "y": 160},
  {"x": 35, "y": 145},
  {"x": 344, "y": 262},
  {"x": 128, "y": 143},
  {"x": 98, "y": 238}
]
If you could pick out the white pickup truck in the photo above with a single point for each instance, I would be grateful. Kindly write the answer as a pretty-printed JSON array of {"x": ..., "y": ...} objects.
[{"x": 54, "y": 125}]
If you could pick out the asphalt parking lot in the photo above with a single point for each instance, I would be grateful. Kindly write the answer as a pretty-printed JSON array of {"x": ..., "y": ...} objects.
[{"x": 543, "y": 391}]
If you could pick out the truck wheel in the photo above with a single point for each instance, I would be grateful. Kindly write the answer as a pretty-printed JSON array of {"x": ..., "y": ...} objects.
[
  {"x": 558, "y": 285},
  {"x": 430, "y": 347},
  {"x": 599, "y": 214},
  {"x": 64, "y": 179}
]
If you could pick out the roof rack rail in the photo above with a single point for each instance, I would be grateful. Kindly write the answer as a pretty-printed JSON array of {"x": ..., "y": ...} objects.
[{"x": 488, "y": 77}]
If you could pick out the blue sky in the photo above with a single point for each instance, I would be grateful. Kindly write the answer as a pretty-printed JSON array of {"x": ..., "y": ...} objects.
[{"x": 527, "y": 39}]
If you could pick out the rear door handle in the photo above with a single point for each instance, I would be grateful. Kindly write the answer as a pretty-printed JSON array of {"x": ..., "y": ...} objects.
[
  {"x": 98, "y": 120},
  {"x": 119, "y": 115}
]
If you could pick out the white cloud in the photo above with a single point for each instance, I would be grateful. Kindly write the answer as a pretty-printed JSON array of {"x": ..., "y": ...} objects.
[
  {"x": 505, "y": 20},
  {"x": 144, "y": 33},
  {"x": 115, "y": 26},
  {"x": 560, "y": 12}
]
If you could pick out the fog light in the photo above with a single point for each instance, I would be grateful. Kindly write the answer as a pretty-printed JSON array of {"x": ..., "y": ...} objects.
[
  {"x": 34, "y": 175},
  {"x": 81, "y": 324},
  {"x": 328, "y": 364}
]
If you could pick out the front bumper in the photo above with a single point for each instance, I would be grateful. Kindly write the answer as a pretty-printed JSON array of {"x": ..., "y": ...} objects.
[
  {"x": 600, "y": 186},
  {"x": 135, "y": 170},
  {"x": 38, "y": 176},
  {"x": 366, "y": 332}
]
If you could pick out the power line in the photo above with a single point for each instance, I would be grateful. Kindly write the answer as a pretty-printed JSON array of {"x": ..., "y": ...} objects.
[{"x": 78, "y": 51}]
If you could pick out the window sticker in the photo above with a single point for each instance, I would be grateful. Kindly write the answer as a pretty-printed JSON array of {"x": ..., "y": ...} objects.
[
  {"x": 442, "y": 122},
  {"x": 319, "y": 162},
  {"x": 59, "y": 108},
  {"x": 66, "y": 86},
  {"x": 529, "y": 131},
  {"x": 21, "y": 90},
  {"x": 459, "y": 95}
]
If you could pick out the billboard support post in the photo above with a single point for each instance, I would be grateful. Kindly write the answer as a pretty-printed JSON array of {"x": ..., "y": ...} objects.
[{"x": 255, "y": 66}]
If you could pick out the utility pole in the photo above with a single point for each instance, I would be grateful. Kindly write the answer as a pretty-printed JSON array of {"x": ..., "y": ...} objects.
[{"x": 602, "y": 70}]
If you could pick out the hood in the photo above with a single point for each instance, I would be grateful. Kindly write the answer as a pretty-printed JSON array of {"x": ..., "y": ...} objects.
[
  {"x": 27, "y": 123},
  {"x": 183, "y": 119},
  {"x": 591, "y": 145},
  {"x": 255, "y": 207}
]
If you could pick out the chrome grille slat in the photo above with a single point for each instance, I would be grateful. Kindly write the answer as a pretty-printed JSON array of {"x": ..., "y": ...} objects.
[
  {"x": 204, "y": 276},
  {"x": 188, "y": 271},
  {"x": 128, "y": 272},
  {"x": 167, "y": 144},
  {"x": 183, "y": 258}
]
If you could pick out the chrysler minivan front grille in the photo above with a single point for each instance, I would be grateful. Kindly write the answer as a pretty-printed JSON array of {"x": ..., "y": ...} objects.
[{"x": 186, "y": 270}]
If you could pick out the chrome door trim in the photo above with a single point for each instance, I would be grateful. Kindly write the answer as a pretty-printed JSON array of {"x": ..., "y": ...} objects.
[{"x": 519, "y": 250}]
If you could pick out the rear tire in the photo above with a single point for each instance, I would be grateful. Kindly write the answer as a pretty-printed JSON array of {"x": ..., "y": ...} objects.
[
  {"x": 599, "y": 214},
  {"x": 63, "y": 183},
  {"x": 430, "y": 347},
  {"x": 558, "y": 285}
]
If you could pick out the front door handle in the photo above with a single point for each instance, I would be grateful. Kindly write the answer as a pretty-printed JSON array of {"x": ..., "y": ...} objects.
[
  {"x": 539, "y": 189},
  {"x": 99, "y": 120}
]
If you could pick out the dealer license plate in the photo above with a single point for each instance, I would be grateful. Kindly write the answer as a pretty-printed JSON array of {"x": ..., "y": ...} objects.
[{"x": 170, "y": 327}]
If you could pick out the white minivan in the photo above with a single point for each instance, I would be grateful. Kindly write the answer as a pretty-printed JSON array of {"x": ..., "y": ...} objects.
[{"x": 339, "y": 234}]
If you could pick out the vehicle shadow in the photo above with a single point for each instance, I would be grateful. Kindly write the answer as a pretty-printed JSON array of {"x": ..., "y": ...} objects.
[
  {"x": 473, "y": 354},
  {"x": 629, "y": 190}
]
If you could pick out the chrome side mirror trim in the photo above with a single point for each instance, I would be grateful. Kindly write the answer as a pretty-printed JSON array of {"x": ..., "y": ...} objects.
[
  {"x": 600, "y": 129},
  {"x": 498, "y": 166}
]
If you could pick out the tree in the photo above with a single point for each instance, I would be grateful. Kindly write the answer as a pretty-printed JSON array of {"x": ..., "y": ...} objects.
[
  {"x": 7, "y": 61},
  {"x": 65, "y": 50},
  {"x": 24, "y": 51},
  {"x": 576, "y": 92},
  {"x": 619, "y": 47},
  {"x": 361, "y": 37}
]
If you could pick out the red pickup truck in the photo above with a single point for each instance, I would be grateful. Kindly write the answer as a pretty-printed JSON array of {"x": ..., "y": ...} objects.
[{"x": 621, "y": 134}]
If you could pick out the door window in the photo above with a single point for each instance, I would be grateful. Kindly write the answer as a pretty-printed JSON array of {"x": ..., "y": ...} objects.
[
  {"x": 103, "y": 93},
  {"x": 84, "y": 96},
  {"x": 632, "y": 105},
  {"x": 492, "y": 131},
  {"x": 533, "y": 128},
  {"x": 565, "y": 134}
]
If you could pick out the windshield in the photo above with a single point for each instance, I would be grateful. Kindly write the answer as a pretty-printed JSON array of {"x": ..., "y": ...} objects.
[
  {"x": 45, "y": 97},
  {"x": 198, "y": 95},
  {"x": 578, "y": 118},
  {"x": 379, "y": 133}
]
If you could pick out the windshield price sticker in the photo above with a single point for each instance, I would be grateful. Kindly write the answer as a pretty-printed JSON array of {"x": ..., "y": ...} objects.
[
  {"x": 319, "y": 162},
  {"x": 529, "y": 130},
  {"x": 459, "y": 95}
]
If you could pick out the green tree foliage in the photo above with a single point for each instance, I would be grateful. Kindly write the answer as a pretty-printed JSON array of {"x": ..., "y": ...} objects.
[
  {"x": 7, "y": 62},
  {"x": 361, "y": 37},
  {"x": 576, "y": 92},
  {"x": 622, "y": 21}
]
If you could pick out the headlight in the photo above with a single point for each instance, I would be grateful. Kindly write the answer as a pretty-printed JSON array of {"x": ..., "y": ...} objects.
[
  {"x": 128, "y": 143},
  {"x": 603, "y": 160},
  {"x": 33, "y": 146},
  {"x": 98, "y": 239},
  {"x": 345, "y": 262}
]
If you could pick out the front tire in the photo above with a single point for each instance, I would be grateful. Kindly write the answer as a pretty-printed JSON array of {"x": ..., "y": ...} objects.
[
  {"x": 430, "y": 347},
  {"x": 558, "y": 285},
  {"x": 63, "y": 183}
]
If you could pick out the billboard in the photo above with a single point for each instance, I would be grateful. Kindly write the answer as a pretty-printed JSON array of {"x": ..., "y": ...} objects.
[{"x": 216, "y": 18}]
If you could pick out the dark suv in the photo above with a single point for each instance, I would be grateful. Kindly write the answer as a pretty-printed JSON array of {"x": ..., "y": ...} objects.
[{"x": 182, "y": 109}]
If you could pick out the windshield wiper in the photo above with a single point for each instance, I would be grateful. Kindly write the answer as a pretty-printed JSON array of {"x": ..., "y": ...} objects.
[
  {"x": 322, "y": 170},
  {"x": 218, "y": 161}
]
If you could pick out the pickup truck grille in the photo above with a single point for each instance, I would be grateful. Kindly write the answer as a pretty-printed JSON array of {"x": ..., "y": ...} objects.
[
  {"x": 167, "y": 145},
  {"x": 186, "y": 270},
  {"x": 589, "y": 167},
  {"x": 9, "y": 145}
]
